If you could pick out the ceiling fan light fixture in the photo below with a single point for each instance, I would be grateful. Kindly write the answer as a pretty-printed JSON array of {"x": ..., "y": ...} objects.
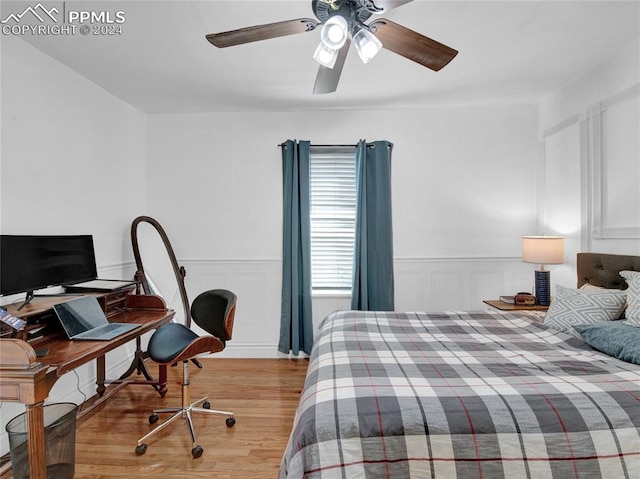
[
  {"x": 342, "y": 22},
  {"x": 334, "y": 32},
  {"x": 367, "y": 44},
  {"x": 325, "y": 56}
]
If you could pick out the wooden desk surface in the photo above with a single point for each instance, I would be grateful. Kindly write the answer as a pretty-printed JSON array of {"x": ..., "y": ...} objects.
[{"x": 65, "y": 355}]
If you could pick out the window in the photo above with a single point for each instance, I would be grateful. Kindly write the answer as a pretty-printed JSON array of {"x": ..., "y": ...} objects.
[{"x": 333, "y": 213}]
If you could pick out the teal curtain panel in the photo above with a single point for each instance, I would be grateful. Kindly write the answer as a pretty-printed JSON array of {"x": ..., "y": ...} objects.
[
  {"x": 373, "y": 283},
  {"x": 296, "y": 323}
]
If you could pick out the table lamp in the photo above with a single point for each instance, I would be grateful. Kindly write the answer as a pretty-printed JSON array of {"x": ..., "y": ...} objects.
[{"x": 543, "y": 250}]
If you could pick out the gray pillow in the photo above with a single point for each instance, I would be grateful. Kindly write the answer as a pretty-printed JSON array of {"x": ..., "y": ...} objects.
[
  {"x": 590, "y": 287},
  {"x": 577, "y": 306},
  {"x": 613, "y": 338}
]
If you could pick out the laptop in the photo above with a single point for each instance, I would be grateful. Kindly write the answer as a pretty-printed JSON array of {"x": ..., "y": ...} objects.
[{"x": 83, "y": 318}]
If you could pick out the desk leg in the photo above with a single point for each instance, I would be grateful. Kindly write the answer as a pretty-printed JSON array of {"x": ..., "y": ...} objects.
[
  {"x": 138, "y": 365},
  {"x": 100, "y": 375},
  {"x": 35, "y": 439}
]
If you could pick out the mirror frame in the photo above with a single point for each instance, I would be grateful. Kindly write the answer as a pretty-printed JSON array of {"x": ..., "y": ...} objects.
[{"x": 178, "y": 270}]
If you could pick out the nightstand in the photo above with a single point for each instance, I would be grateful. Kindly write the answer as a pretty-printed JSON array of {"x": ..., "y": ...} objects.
[{"x": 502, "y": 306}]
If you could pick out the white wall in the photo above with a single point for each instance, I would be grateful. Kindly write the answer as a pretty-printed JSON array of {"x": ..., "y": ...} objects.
[
  {"x": 590, "y": 161},
  {"x": 73, "y": 162},
  {"x": 73, "y": 156}
]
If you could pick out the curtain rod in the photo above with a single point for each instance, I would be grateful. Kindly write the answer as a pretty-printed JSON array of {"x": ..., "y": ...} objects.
[
  {"x": 325, "y": 146},
  {"x": 369, "y": 145}
]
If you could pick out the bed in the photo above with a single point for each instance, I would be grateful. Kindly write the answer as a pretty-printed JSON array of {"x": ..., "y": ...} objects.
[{"x": 466, "y": 395}]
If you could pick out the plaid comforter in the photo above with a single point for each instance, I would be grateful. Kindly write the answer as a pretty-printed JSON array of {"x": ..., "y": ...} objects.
[{"x": 461, "y": 395}]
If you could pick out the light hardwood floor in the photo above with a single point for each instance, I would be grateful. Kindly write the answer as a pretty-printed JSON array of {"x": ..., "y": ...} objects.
[{"x": 263, "y": 394}]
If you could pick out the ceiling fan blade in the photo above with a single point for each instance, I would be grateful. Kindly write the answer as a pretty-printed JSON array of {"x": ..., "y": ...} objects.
[
  {"x": 328, "y": 78},
  {"x": 412, "y": 45},
  {"x": 261, "y": 32}
]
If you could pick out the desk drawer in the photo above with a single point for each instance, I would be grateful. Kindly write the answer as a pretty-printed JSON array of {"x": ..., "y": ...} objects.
[{"x": 114, "y": 303}]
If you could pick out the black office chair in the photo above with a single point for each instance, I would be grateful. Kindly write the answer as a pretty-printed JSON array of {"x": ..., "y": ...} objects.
[{"x": 213, "y": 311}]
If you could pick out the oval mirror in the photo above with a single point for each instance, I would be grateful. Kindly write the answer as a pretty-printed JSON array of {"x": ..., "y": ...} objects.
[{"x": 158, "y": 271}]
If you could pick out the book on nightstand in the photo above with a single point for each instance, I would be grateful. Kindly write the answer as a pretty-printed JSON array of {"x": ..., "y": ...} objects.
[{"x": 508, "y": 299}]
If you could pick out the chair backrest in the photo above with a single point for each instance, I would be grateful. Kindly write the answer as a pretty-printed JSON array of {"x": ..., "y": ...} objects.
[{"x": 214, "y": 311}]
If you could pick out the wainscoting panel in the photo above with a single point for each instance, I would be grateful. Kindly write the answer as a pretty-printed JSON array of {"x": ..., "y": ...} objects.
[
  {"x": 526, "y": 280},
  {"x": 410, "y": 287},
  {"x": 444, "y": 288},
  {"x": 482, "y": 284},
  {"x": 257, "y": 283},
  {"x": 436, "y": 284}
]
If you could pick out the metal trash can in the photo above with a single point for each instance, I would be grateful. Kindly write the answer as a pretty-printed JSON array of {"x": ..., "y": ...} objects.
[{"x": 59, "y": 437}]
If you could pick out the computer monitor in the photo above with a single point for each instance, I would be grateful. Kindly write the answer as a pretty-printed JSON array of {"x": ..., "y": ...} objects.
[{"x": 32, "y": 262}]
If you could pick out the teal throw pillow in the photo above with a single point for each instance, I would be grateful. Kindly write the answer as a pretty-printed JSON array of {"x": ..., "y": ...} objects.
[{"x": 613, "y": 338}]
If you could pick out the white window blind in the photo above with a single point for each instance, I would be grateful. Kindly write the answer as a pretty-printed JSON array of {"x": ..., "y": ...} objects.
[{"x": 333, "y": 212}]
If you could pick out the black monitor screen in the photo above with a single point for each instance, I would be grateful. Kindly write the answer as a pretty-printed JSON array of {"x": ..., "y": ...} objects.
[{"x": 28, "y": 263}]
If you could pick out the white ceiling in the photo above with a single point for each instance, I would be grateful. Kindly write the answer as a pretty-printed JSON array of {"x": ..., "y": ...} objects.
[{"x": 510, "y": 52}]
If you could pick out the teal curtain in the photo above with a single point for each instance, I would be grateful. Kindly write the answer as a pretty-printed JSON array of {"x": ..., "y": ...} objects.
[
  {"x": 373, "y": 286},
  {"x": 296, "y": 324}
]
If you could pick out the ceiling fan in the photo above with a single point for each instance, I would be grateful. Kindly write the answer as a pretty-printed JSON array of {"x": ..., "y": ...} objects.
[{"x": 342, "y": 23}]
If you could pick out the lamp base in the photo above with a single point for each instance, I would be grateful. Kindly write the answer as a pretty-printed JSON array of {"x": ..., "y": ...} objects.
[{"x": 543, "y": 287}]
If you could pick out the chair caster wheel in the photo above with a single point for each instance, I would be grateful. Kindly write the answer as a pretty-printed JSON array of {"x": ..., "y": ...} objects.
[
  {"x": 141, "y": 449},
  {"x": 206, "y": 405},
  {"x": 153, "y": 418},
  {"x": 197, "y": 451},
  {"x": 231, "y": 421}
]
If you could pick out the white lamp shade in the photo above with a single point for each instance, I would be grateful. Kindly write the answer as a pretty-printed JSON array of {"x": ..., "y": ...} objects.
[
  {"x": 367, "y": 44},
  {"x": 325, "y": 56},
  {"x": 543, "y": 249},
  {"x": 334, "y": 32}
]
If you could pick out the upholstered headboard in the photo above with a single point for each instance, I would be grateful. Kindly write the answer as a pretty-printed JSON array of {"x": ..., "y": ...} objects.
[{"x": 601, "y": 269}]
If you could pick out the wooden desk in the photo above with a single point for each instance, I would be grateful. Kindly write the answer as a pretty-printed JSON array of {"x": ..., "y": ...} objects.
[{"x": 27, "y": 379}]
